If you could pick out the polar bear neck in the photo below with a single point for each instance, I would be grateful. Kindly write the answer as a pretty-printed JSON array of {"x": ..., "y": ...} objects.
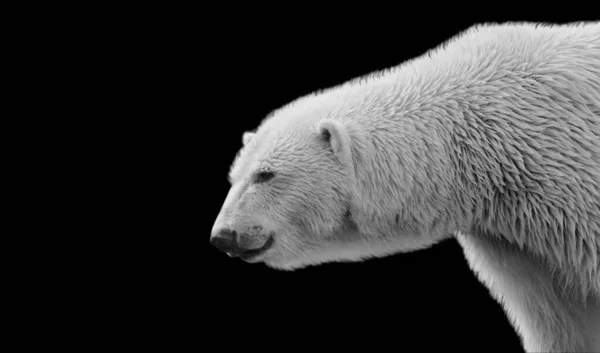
[
  {"x": 484, "y": 147},
  {"x": 496, "y": 136},
  {"x": 527, "y": 171},
  {"x": 463, "y": 140}
]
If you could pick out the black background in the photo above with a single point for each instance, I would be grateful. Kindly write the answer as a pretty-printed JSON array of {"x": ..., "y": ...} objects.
[
  {"x": 164, "y": 96},
  {"x": 427, "y": 300}
]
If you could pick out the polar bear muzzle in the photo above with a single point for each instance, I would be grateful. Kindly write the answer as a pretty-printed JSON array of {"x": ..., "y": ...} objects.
[{"x": 227, "y": 241}]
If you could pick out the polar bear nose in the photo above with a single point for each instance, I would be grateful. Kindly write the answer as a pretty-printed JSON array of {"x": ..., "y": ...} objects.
[{"x": 225, "y": 240}]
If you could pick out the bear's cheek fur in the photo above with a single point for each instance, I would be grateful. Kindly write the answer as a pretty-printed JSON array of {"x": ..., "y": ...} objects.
[
  {"x": 328, "y": 205},
  {"x": 297, "y": 246},
  {"x": 307, "y": 229},
  {"x": 316, "y": 216}
]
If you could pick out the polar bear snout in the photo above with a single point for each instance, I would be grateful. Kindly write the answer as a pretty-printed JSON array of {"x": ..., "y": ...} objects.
[
  {"x": 225, "y": 240},
  {"x": 238, "y": 245}
]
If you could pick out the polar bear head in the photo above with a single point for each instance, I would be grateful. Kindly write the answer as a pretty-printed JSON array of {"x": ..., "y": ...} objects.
[
  {"x": 314, "y": 188},
  {"x": 290, "y": 196}
]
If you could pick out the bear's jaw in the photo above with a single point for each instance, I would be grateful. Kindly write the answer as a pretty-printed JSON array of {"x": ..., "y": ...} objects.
[{"x": 252, "y": 254}]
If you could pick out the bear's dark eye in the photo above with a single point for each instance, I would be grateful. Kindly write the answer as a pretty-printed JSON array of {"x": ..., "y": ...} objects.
[{"x": 263, "y": 177}]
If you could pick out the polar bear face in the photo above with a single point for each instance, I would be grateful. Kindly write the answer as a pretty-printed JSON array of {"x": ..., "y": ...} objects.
[{"x": 290, "y": 197}]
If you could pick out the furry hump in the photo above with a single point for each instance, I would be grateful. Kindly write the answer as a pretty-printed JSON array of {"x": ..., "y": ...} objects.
[{"x": 495, "y": 136}]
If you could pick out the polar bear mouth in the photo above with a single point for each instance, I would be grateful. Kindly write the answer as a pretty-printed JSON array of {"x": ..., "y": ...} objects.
[{"x": 253, "y": 253}]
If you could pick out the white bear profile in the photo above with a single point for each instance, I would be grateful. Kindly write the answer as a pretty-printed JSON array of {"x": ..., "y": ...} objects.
[{"x": 492, "y": 138}]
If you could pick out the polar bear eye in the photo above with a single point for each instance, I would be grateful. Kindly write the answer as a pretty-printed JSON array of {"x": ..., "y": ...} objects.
[{"x": 263, "y": 177}]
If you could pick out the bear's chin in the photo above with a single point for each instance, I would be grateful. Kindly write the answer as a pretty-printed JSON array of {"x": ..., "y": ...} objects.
[
  {"x": 345, "y": 244},
  {"x": 345, "y": 253},
  {"x": 288, "y": 265}
]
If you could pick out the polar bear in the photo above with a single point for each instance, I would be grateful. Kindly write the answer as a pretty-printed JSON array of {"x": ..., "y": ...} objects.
[{"x": 492, "y": 138}]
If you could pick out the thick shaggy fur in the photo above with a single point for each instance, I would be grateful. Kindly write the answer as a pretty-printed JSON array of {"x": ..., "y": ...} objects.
[{"x": 494, "y": 137}]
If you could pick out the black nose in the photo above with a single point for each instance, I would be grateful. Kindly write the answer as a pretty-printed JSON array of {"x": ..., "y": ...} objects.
[{"x": 225, "y": 241}]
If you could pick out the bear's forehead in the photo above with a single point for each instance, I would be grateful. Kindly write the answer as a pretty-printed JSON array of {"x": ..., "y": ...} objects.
[
  {"x": 288, "y": 138},
  {"x": 280, "y": 149},
  {"x": 283, "y": 146}
]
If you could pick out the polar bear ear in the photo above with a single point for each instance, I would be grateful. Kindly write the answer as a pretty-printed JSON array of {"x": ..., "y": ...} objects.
[
  {"x": 247, "y": 137},
  {"x": 336, "y": 135}
]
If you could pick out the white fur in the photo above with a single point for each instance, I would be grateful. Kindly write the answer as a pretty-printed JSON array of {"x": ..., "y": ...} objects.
[{"x": 494, "y": 136}]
